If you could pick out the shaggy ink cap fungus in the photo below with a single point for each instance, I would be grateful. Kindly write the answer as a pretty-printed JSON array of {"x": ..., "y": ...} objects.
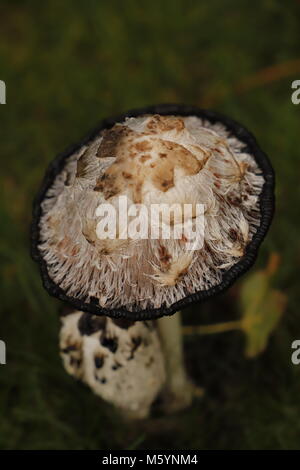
[
  {"x": 160, "y": 154},
  {"x": 119, "y": 359}
]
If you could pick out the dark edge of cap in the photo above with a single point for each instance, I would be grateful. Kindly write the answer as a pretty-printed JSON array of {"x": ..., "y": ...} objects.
[{"x": 267, "y": 205}]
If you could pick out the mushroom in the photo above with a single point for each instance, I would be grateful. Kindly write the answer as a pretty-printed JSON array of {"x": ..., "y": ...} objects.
[
  {"x": 121, "y": 360},
  {"x": 173, "y": 156}
]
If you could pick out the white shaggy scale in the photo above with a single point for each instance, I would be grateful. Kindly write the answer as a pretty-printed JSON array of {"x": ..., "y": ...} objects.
[{"x": 150, "y": 159}]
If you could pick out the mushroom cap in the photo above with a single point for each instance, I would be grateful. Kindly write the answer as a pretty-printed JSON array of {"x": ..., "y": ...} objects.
[{"x": 188, "y": 149}]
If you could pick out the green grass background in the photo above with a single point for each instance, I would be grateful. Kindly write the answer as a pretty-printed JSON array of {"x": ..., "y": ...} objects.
[{"x": 67, "y": 65}]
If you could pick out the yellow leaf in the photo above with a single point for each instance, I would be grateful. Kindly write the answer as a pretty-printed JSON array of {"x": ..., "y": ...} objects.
[{"x": 262, "y": 308}]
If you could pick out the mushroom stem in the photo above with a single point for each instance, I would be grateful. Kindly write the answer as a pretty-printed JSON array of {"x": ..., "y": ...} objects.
[{"x": 179, "y": 390}]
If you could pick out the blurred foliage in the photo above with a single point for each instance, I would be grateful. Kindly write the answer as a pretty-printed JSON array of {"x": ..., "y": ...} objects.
[
  {"x": 261, "y": 306},
  {"x": 69, "y": 64}
]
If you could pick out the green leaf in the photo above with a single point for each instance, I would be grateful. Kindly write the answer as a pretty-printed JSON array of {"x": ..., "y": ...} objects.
[{"x": 262, "y": 308}]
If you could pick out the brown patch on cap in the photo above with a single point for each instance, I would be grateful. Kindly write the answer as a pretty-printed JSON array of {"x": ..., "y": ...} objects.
[
  {"x": 181, "y": 274},
  {"x": 89, "y": 231},
  {"x": 145, "y": 157},
  {"x": 176, "y": 156},
  {"x": 165, "y": 123},
  {"x": 132, "y": 155},
  {"x": 75, "y": 250},
  {"x": 64, "y": 244},
  {"x": 112, "y": 138},
  {"x": 167, "y": 184},
  {"x": 142, "y": 146},
  {"x": 164, "y": 255},
  {"x": 234, "y": 200},
  {"x": 82, "y": 164},
  {"x": 174, "y": 272},
  {"x": 137, "y": 191},
  {"x": 108, "y": 182},
  {"x": 119, "y": 142},
  {"x": 233, "y": 234}
]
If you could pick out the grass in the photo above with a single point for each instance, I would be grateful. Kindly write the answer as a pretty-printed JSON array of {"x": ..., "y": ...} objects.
[{"x": 67, "y": 65}]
